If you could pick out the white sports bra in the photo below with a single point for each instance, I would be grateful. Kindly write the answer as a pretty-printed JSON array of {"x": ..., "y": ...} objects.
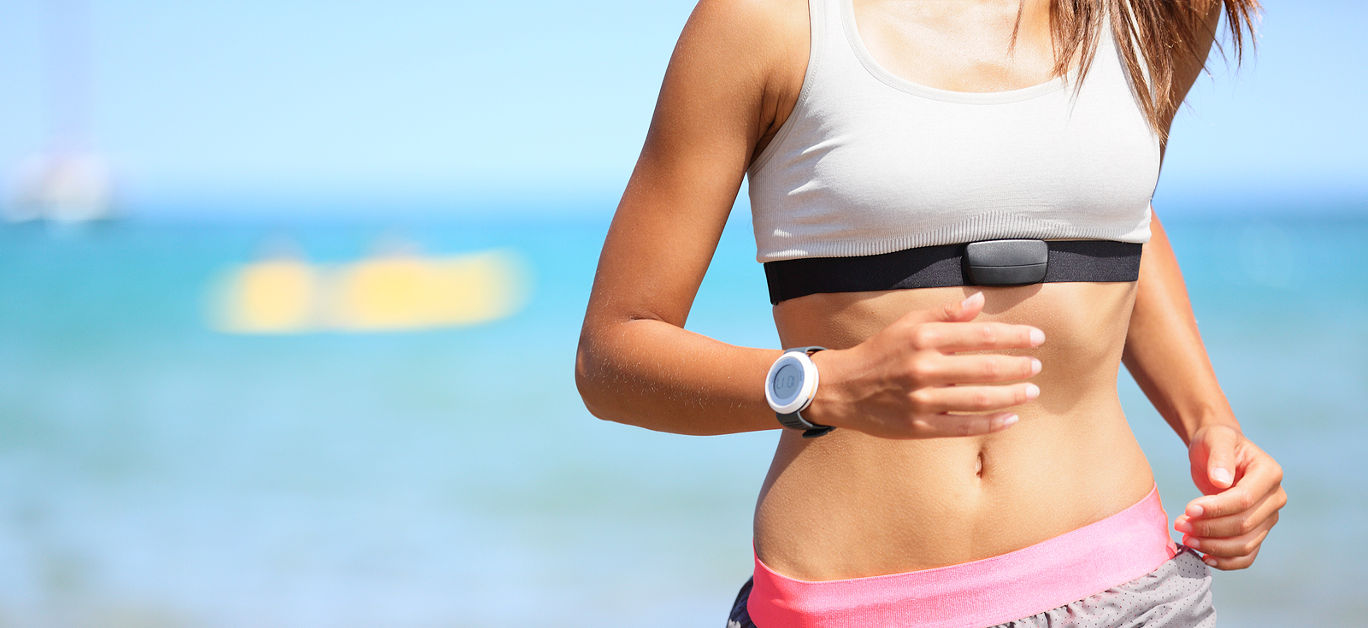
[{"x": 870, "y": 163}]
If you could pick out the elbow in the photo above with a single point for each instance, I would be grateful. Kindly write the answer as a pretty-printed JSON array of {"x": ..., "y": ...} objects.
[{"x": 588, "y": 381}]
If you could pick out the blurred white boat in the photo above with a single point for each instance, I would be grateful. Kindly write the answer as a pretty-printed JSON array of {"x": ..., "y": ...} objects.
[
  {"x": 64, "y": 188},
  {"x": 67, "y": 181}
]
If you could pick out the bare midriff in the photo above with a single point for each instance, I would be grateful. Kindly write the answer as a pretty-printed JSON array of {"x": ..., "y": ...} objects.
[{"x": 850, "y": 505}]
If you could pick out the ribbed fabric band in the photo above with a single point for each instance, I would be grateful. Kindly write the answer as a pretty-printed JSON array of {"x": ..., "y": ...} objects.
[
  {"x": 940, "y": 266},
  {"x": 985, "y": 592}
]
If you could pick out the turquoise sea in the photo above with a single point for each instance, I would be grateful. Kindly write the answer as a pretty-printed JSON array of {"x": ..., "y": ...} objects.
[{"x": 154, "y": 472}]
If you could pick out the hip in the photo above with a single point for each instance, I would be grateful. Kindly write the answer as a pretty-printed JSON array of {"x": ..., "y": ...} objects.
[
  {"x": 1122, "y": 548},
  {"x": 853, "y": 506}
]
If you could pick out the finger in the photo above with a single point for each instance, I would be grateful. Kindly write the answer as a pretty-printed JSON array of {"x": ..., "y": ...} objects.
[
  {"x": 972, "y": 398},
  {"x": 1235, "y": 524},
  {"x": 1229, "y": 563},
  {"x": 962, "y": 424},
  {"x": 976, "y": 369},
  {"x": 1214, "y": 457},
  {"x": 965, "y": 336},
  {"x": 1259, "y": 480},
  {"x": 1233, "y": 547}
]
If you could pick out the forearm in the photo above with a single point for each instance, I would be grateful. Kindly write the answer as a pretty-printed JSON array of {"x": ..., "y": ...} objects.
[
  {"x": 1164, "y": 350},
  {"x": 653, "y": 374}
]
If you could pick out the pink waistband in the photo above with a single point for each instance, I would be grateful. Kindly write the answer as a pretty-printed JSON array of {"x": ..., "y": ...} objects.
[{"x": 1031, "y": 580}]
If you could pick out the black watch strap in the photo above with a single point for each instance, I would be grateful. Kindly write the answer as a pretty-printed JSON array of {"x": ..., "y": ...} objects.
[{"x": 797, "y": 422}]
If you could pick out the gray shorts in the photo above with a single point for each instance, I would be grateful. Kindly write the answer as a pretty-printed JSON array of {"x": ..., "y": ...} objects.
[{"x": 1176, "y": 594}]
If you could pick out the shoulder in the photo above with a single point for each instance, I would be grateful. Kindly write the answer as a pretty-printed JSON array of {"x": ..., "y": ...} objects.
[
  {"x": 1187, "y": 67},
  {"x": 750, "y": 31},
  {"x": 767, "y": 41},
  {"x": 1207, "y": 18},
  {"x": 768, "y": 16},
  {"x": 744, "y": 55}
]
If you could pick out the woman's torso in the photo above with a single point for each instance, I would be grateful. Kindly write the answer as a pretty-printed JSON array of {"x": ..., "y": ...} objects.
[{"x": 850, "y": 505}]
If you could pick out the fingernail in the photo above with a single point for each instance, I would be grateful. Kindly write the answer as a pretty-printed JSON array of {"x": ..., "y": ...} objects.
[
  {"x": 1193, "y": 543},
  {"x": 1211, "y": 562},
  {"x": 971, "y": 299},
  {"x": 1222, "y": 476},
  {"x": 1037, "y": 337},
  {"x": 1194, "y": 510},
  {"x": 1035, "y": 366},
  {"x": 1032, "y": 391},
  {"x": 1010, "y": 419},
  {"x": 1182, "y": 526}
]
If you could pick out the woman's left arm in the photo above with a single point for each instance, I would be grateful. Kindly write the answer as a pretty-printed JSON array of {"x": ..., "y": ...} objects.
[{"x": 1241, "y": 484}]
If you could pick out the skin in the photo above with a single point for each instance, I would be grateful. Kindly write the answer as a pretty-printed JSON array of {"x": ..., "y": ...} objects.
[{"x": 972, "y": 421}]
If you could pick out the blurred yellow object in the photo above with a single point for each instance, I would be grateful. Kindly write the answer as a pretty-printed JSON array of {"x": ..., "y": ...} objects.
[
  {"x": 392, "y": 292},
  {"x": 411, "y": 292},
  {"x": 270, "y": 297}
]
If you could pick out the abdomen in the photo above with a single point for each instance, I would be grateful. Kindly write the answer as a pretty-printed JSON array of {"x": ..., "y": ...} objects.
[{"x": 851, "y": 505}]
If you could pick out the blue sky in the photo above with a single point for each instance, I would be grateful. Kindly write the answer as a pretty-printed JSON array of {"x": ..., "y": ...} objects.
[{"x": 530, "y": 101}]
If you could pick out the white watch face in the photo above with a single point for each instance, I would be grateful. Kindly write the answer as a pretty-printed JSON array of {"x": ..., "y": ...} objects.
[
  {"x": 787, "y": 383},
  {"x": 791, "y": 383}
]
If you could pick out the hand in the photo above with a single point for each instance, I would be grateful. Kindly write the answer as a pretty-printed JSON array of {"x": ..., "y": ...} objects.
[
  {"x": 907, "y": 381},
  {"x": 1242, "y": 488}
]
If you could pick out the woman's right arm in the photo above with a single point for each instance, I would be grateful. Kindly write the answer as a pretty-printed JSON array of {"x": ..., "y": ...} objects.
[{"x": 637, "y": 364}]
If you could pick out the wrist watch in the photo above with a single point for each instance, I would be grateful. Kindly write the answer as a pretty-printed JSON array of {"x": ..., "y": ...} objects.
[{"x": 791, "y": 386}]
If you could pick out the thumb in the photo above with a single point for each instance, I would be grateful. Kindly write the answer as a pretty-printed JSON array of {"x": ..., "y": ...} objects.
[{"x": 1213, "y": 457}]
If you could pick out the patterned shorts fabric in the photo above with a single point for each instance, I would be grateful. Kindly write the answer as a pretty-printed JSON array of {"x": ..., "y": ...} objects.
[{"x": 1176, "y": 595}]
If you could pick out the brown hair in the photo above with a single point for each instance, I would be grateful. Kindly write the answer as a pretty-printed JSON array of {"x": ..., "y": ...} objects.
[{"x": 1155, "y": 33}]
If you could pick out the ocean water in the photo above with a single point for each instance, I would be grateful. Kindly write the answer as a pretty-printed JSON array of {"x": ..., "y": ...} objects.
[{"x": 154, "y": 472}]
